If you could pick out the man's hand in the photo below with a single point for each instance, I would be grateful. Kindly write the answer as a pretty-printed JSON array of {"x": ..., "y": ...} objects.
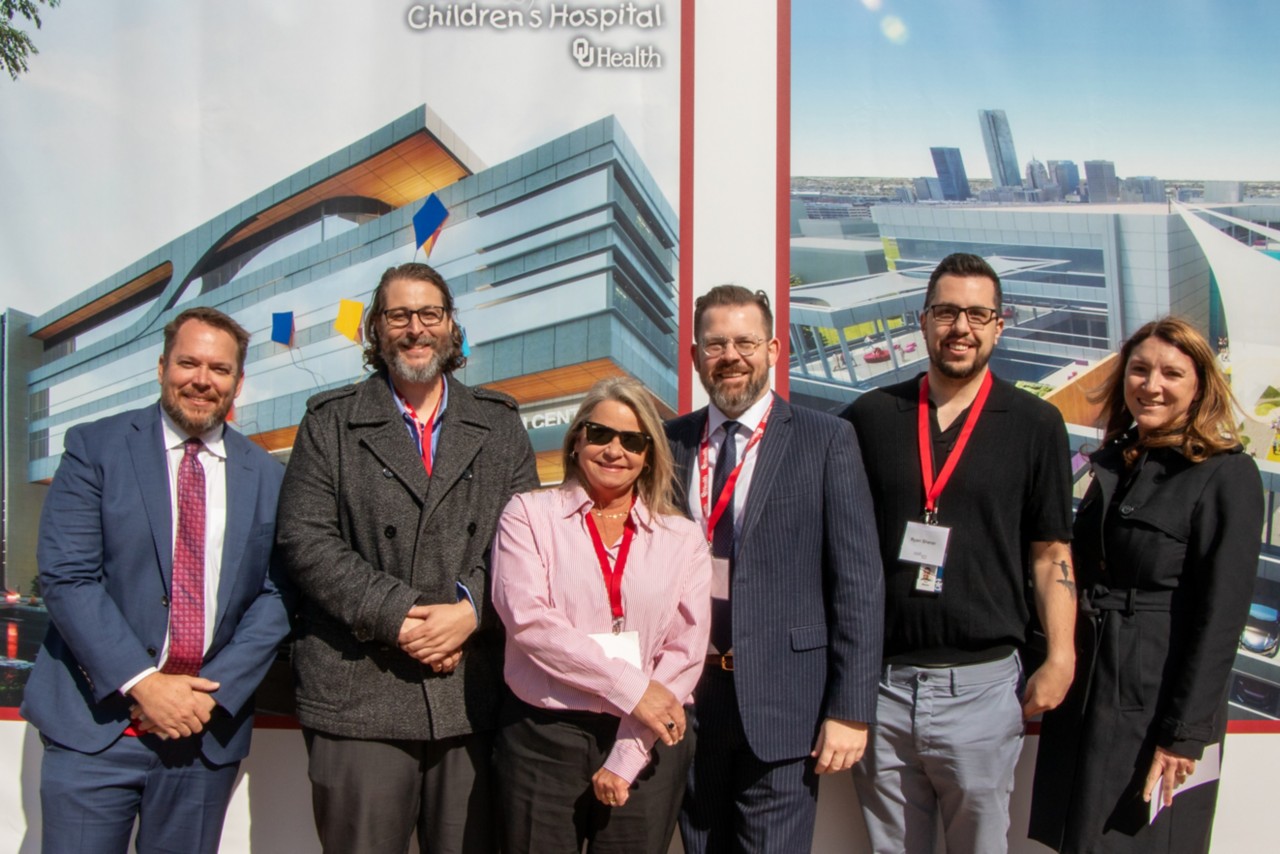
[
  {"x": 1173, "y": 768},
  {"x": 662, "y": 713},
  {"x": 1048, "y": 686},
  {"x": 448, "y": 663},
  {"x": 433, "y": 634},
  {"x": 840, "y": 744},
  {"x": 172, "y": 706},
  {"x": 611, "y": 790}
]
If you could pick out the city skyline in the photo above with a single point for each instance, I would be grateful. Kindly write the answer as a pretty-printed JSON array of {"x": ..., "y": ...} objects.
[{"x": 1150, "y": 92}]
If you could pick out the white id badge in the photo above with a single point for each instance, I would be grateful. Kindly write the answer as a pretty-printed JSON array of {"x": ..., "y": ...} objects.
[
  {"x": 623, "y": 645},
  {"x": 719, "y": 578},
  {"x": 924, "y": 544}
]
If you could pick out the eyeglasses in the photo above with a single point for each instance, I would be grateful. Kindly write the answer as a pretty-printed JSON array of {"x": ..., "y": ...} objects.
[
  {"x": 633, "y": 441},
  {"x": 428, "y": 315},
  {"x": 977, "y": 315},
  {"x": 746, "y": 345}
]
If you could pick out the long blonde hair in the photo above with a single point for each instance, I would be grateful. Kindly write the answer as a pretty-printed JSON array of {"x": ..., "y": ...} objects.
[{"x": 657, "y": 479}]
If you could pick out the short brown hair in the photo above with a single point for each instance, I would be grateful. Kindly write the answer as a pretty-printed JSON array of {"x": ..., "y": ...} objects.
[
  {"x": 722, "y": 295},
  {"x": 656, "y": 484},
  {"x": 211, "y": 317},
  {"x": 415, "y": 272},
  {"x": 965, "y": 266},
  {"x": 1209, "y": 426}
]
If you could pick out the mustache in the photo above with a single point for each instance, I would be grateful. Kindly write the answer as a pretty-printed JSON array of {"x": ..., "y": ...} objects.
[{"x": 415, "y": 339}]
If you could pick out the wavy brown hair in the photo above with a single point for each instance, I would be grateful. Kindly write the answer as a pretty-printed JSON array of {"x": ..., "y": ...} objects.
[
  {"x": 657, "y": 479},
  {"x": 419, "y": 273},
  {"x": 1209, "y": 425}
]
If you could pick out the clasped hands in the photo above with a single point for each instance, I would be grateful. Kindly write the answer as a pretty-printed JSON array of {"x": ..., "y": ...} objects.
[
  {"x": 170, "y": 705},
  {"x": 434, "y": 634},
  {"x": 662, "y": 713}
]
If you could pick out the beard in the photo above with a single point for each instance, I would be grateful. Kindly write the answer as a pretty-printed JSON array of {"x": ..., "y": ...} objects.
[
  {"x": 959, "y": 370},
  {"x": 734, "y": 403},
  {"x": 421, "y": 373},
  {"x": 194, "y": 425}
]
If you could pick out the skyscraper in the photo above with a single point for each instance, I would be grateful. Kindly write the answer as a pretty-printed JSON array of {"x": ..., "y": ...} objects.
[
  {"x": 998, "y": 140},
  {"x": 1037, "y": 176},
  {"x": 1103, "y": 185},
  {"x": 927, "y": 189},
  {"x": 951, "y": 174},
  {"x": 1066, "y": 174},
  {"x": 1142, "y": 188}
]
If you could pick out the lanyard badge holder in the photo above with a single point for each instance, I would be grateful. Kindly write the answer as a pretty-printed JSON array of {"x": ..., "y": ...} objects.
[
  {"x": 616, "y": 643},
  {"x": 924, "y": 543}
]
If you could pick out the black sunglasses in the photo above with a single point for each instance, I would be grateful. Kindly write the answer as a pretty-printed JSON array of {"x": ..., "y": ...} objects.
[{"x": 633, "y": 441}]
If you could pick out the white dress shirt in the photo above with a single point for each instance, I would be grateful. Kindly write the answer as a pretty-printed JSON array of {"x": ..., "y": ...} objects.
[
  {"x": 213, "y": 457},
  {"x": 749, "y": 420}
]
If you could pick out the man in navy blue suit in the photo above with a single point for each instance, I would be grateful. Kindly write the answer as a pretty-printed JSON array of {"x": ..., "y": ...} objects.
[
  {"x": 154, "y": 548},
  {"x": 797, "y": 597}
]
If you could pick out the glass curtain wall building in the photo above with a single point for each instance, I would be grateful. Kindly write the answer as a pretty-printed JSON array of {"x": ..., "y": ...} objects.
[
  {"x": 998, "y": 140},
  {"x": 563, "y": 261},
  {"x": 951, "y": 175}
]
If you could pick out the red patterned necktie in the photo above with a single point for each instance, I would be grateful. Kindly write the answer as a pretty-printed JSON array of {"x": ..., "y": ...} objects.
[{"x": 186, "y": 602}]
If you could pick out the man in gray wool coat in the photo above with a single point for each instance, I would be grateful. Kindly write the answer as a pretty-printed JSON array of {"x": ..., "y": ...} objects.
[{"x": 387, "y": 511}]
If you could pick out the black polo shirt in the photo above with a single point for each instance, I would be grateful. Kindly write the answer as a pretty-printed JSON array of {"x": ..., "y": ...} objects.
[{"x": 1011, "y": 487}]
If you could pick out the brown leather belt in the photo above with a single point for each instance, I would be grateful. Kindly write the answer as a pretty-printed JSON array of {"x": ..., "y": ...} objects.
[{"x": 724, "y": 662}]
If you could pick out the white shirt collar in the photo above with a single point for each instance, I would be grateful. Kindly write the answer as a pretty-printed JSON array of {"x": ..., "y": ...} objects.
[
  {"x": 749, "y": 420},
  {"x": 175, "y": 436},
  {"x": 577, "y": 501}
]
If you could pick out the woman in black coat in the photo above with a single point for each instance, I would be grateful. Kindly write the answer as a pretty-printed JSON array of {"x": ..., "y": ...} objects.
[{"x": 1166, "y": 546}]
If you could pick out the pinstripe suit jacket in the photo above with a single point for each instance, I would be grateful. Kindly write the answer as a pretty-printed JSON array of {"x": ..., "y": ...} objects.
[{"x": 807, "y": 591}]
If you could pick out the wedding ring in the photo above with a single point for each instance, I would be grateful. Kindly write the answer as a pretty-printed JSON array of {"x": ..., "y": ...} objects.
[{"x": 671, "y": 724}]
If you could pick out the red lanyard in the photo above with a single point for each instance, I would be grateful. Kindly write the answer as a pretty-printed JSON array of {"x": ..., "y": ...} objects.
[
  {"x": 932, "y": 488},
  {"x": 613, "y": 573},
  {"x": 424, "y": 429},
  {"x": 709, "y": 515}
]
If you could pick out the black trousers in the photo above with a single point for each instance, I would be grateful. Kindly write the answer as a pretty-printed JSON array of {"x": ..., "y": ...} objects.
[
  {"x": 543, "y": 763},
  {"x": 369, "y": 796}
]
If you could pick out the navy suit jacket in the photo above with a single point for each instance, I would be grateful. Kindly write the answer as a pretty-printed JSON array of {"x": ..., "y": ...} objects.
[
  {"x": 807, "y": 591},
  {"x": 106, "y": 560}
]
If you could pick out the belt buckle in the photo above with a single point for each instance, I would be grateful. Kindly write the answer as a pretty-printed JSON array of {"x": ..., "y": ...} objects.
[{"x": 726, "y": 661}]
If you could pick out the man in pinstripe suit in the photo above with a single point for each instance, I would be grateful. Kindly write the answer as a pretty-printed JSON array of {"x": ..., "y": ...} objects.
[{"x": 797, "y": 599}]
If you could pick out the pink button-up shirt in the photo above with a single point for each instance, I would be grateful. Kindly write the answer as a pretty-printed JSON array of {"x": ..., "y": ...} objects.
[{"x": 550, "y": 593}]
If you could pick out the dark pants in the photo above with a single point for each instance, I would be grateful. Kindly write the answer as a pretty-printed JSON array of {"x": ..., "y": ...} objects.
[
  {"x": 370, "y": 795},
  {"x": 544, "y": 761},
  {"x": 90, "y": 801},
  {"x": 734, "y": 800}
]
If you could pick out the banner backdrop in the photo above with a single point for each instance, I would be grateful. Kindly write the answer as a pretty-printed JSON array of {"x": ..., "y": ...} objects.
[{"x": 270, "y": 160}]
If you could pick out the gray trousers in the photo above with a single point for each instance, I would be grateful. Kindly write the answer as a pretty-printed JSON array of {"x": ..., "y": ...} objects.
[{"x": 946, "y": 741}]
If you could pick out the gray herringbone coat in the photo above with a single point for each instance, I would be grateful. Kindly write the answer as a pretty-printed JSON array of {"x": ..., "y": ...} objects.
[{"x": 366, "y": 534}]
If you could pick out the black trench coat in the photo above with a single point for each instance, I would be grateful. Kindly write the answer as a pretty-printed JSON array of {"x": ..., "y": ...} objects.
[{"x": 1166, "y": 555}]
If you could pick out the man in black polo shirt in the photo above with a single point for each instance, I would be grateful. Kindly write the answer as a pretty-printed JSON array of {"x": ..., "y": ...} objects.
[{"x": 967, "y": 518}]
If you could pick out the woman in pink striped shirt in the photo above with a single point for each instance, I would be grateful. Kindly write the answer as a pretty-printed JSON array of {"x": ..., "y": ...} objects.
[{"x": 604, "y": 588}]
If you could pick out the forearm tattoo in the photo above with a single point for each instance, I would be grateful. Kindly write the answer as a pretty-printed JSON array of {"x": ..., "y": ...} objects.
[{"x": 1066, "y": 580}]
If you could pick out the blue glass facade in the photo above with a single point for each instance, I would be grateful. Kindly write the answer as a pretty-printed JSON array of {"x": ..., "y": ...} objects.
[
  {"x": 998, "y": 140},
  {"x": 563, "y": 261},
  {"x": 951, "y": 174}
]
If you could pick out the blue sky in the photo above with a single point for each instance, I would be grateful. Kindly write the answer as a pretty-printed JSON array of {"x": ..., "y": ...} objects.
[{"x": 1175, "y": 89}]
